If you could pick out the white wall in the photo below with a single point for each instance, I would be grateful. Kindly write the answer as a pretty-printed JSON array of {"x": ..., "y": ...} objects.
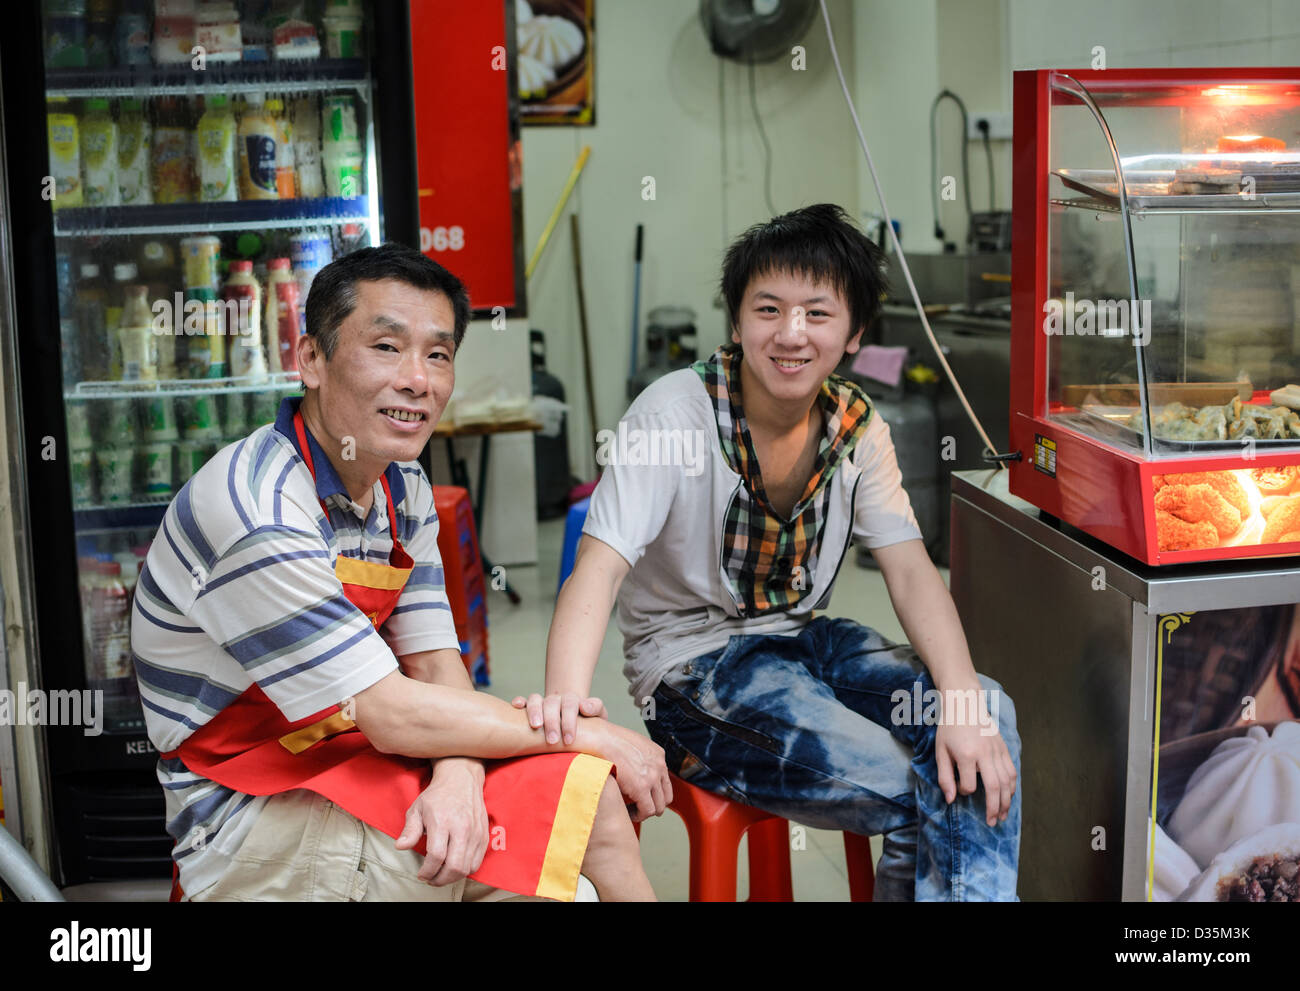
[{"x": 666, "y": 107}]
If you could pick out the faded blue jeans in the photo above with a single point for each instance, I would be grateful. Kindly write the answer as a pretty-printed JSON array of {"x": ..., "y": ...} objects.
[{"x": 810, "y": 728}]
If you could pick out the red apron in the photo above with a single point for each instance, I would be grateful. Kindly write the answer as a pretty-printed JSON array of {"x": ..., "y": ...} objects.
[{"x": 546, "y": 804}]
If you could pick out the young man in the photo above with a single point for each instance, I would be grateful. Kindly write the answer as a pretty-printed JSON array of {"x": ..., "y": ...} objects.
[
  {"x": 299, "y": 665},
  {"x": 717, "y": 574}
]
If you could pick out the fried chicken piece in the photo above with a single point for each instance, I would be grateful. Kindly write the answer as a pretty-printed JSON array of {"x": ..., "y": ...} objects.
[
  {"x": 1223, "y": 482},
  {"x": 1173, "y": 534},
  {"x": 1275, "y": 481},
  {"x": 1282, "y": 521},
  {"x": 1200, "y": 503}
]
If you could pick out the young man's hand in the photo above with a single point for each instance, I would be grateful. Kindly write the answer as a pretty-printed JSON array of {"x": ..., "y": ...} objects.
[
  {"x": 451, "y": 812},
  {"x": 559, "y": 713},
  {"x": 971, "y": 750}
]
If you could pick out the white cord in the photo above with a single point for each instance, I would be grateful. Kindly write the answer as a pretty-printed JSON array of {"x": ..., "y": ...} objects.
[{"x": 898, "y": 248}]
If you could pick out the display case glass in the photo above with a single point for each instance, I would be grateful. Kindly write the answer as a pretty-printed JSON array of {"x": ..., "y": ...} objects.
[{"x": 1156, "y": 313}]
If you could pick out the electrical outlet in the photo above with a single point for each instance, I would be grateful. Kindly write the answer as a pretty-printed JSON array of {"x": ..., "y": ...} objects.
[{"x": 999, "y": 126}]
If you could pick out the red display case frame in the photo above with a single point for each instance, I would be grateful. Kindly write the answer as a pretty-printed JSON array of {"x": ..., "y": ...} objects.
[{"x": 1102, "y": 490}]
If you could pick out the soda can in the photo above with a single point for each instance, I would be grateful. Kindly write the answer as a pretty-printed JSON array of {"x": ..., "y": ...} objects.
[
  {"x": 156, "y": 471},
  {"x": 206, "y": 351},
  {"x": 201, "y": 261},
  {"x": 235, "y": 422},
  {"x": 118, "y": 426},
  {"x": 115, "y": 473},
  {"x": 309, "y": 252},
  {"x": 79, "y": 435},
  {"x": 158, "y": 419},
  {"x": 191, "y": 455},
  {"x": 201, "y": 422},
  {"x": 265, "y": 406},
  {"x": 83, "y": 477}
]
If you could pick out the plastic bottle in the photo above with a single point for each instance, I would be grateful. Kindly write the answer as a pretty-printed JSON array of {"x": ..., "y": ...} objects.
[
  {"x": 306, "y": 148},
  {"x": 172, "y": 159},
  {"x": 65, "y": 34},
  {"x": 139, "y": 344},
  {"x": 65, "y": 154},
  {"x": 134, "y": 137},
  {"x": 257, "y": 156},
  {"x": 244, "y": 321},
  {"x": 112, "y": 622},
  {"x": 132, "y": 34},
  {"x": 99, "y": 155},
  {"x": 99, "y": 34},
  {"x": 216, "y": 141},
  {"x": 123, "y": 275},
  {"x": 89, "y": 303},
  {"x": 90, "y": 583},
  {"x": 281, "y": 325},
  {"x": 341, "y": 155},
  {"x": 285, "y": 179}
]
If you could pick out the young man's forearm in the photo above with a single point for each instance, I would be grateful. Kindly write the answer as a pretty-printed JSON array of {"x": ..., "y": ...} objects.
[
  {"x": 581, "y": 616},
  {"x": 402, "y": 716},
  {"x": 929, "y": 618}
]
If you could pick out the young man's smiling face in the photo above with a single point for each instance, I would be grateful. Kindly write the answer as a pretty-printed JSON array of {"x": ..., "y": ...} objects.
[
  {"x": 794, "y": 333},
  {"x": 388, "y": 380}
]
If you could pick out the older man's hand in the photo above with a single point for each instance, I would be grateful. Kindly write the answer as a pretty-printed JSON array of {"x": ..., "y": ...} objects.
[{"x": 452, "y": 815}]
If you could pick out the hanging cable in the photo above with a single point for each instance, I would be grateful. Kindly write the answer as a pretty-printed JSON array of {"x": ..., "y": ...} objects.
[
  {"x": 767, "y": 148},
  {"x": 948, "y": 94},
  {"x": 988, "y": 154},
  {"x": 898, "y": 249}
]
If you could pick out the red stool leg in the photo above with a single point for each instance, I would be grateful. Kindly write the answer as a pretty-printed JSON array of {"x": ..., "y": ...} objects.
[
  {"x": 714, "y": 849},
  {"x": 769, "y": 861},
  {"x": 857, "y": 856}
]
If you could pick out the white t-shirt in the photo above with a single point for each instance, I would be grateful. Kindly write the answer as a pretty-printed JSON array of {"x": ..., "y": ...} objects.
[{"x": 662, "y": 505}]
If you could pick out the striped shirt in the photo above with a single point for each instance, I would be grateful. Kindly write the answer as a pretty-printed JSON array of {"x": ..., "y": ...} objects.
[{"x": 239, "y": 588}]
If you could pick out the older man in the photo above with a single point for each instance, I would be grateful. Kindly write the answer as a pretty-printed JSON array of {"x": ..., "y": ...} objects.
[{"x": 299, "y": 665}]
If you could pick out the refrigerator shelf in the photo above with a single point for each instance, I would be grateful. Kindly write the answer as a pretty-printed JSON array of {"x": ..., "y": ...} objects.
[
  {"x": 206, "y": 218},
  {"x": 282, "y": 76},
  {"x": 277, "y": 382},
  {"x": 93, "y": 521}
]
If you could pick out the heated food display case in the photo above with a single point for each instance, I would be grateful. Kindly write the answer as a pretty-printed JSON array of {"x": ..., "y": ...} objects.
[{"x": 1155, "y": 349}]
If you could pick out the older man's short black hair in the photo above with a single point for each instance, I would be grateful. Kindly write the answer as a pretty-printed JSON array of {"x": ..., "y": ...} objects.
[
  {"x": 819, "y": 243},
  {"x": 333, "y": 294}
]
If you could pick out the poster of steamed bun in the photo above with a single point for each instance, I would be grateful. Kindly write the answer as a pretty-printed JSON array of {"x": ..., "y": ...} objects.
[
  {"x": 1227, "y": 802},
  {"x": 555, "y": 67}
]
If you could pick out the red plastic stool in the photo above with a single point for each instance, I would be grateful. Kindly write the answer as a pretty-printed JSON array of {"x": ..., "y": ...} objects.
[{"x": 714, "y": 826}]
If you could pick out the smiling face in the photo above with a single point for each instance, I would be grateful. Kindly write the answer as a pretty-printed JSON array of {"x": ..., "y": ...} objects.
[
  {"x": 387, "y": 382},
  {"x": 794, "y": 333}
]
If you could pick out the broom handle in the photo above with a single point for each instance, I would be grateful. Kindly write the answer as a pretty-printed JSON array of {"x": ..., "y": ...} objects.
[{"x": 582, "y": 323}]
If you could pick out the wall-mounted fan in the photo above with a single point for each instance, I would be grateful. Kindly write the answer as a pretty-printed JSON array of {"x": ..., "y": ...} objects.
[{"x": 755, "y": 30}]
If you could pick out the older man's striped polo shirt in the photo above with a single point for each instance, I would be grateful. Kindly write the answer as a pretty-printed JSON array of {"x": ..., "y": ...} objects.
[{"x": 239, "y": 588}]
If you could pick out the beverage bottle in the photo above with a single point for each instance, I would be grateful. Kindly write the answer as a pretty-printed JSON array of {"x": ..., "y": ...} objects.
[
  {"x": 99, "y": 34},
  {"x": 65, "y": 34},
  {"x": 341, "y": 154},
  {"x": 133, "y": 141},
  {"x": 306, "y": 148},
  {"x": 281, "y": 323},
  {"x": 139, "y": 344},
  {"x": 132, "y": 35},
  {"x": 99, "y": 155},
  {"x": 65, "y": 153},
  {"x": 244, "y": 321},
  {"x": 90, "y": 584},
  {"x": 89, "y": 303},
  {"x": 286, "y": 181},
  {"x": 216, "y": 141},
  {"x": 113, "y": 623},
  {"x": 171, "y": 159},
  {"x": 257, "y": 155},
  {"x": 123, "y": 275}
]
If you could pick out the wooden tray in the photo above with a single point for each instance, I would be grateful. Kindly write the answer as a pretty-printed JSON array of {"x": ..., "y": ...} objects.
[{"x": 1158, "y": 393}]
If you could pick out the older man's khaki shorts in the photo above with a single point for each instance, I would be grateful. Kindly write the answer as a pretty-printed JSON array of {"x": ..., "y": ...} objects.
[{"x": 305, "y": 848}]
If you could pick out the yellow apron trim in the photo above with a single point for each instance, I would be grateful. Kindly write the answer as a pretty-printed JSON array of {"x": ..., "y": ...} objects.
[
  {"x": 574, "y": 815},
  {"x": 350, "y": 571},
  {"x": 299, "y": 740}
]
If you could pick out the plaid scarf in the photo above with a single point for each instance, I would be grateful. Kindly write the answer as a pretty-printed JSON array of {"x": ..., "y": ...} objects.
[{"x": 770, "y": 561}]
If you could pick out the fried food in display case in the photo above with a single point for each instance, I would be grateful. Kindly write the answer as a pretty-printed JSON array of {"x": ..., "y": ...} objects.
[{"x": 1156, "y": 308}]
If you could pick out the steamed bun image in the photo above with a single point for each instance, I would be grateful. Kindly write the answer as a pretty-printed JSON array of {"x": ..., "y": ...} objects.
[
  {"x": 1173, "y": 871},
  {"x": 1247, "y": 784}
]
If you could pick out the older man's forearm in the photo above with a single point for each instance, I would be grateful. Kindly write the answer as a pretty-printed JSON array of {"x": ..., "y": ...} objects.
[{"x": 402, "y": 716}]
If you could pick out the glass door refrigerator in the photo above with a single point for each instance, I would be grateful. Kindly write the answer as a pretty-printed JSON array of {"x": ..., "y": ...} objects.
[{"x": 177, "y": 173}]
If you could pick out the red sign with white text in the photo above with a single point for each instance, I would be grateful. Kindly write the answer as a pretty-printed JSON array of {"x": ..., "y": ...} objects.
[{"x": 466, "y": 147}]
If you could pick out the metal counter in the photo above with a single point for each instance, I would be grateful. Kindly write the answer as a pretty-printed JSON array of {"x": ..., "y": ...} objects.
[{"x": 1069, "y": 627}]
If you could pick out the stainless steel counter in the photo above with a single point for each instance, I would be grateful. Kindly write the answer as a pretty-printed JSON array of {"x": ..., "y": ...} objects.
[{"x": 1069, "y": 627}]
